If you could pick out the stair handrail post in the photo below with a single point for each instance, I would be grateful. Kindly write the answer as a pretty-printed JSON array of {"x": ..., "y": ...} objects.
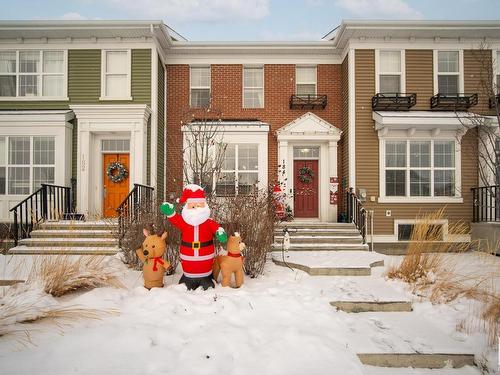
[
  {"x": 44, "y": 202},
  {"x": 16, "y": 228}
]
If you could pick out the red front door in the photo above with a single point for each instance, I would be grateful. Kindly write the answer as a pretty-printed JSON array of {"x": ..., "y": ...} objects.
[{"x": 305, "y": 182}]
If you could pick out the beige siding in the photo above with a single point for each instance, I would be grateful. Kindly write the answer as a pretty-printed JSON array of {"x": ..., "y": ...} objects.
[
  {"x": 367, "y": 155},
  {"x": 478, "y": 77},
  {"x": 419, "y": 76},
  {"x": 344, "y": 143}
]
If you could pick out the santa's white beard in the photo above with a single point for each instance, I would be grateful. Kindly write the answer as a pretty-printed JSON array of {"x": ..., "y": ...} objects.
[{"x": 195, "y": 216}]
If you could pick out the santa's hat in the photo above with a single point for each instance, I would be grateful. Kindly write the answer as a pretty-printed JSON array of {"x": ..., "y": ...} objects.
[{"x": 192, "y": 193}]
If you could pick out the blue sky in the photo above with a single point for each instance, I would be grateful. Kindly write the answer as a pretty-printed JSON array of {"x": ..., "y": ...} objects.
[{"x": 250, "y": 19}]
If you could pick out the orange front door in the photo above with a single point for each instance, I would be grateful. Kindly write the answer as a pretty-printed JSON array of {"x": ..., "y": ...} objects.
[{"x": 114, "y": 192}]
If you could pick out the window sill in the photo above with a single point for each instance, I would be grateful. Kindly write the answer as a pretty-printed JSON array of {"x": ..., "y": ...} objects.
[
  {"x": 32, "y": 99},
  {"x": 107, "y": 98},
  {"x": 420, "y": 200}
]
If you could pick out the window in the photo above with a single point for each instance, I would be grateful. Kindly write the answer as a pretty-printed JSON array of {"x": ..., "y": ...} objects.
[
  {"x": 448, "y": 72},
  {"x": 115, "y": 75},
  {"x": 253, "y": 87},
  {"x": 32, "y": 74},
  {"x": 115, "y": 145},
  {"x": 239, "y": 174},
  {"x": 200, "y": 86},
  {"x": 420, "y": 168},
  {"x": 497, "y": 153},
  {"x": 435, "y": 232},
  {"x": 26, "y": 163},
  {"x": 389, "y": 72},
  {"x": 306, "y": 80}
]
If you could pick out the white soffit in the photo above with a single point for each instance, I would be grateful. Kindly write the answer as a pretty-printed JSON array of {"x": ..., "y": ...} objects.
[{"x": 35, "y": 117}]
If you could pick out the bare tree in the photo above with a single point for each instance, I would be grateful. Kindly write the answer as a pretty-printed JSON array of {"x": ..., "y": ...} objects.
[{"x": 204, "y": 149}]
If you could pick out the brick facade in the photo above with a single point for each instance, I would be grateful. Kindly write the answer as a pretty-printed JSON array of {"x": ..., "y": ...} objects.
[{"x": 227, "y": 96}]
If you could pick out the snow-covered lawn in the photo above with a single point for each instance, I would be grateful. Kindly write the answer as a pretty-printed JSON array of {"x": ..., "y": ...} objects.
[{"x": 280, "y": 323}]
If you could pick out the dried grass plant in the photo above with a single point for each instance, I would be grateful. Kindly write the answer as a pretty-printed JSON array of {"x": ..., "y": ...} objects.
[
  {"x": 253, "y": 216},
  {"x": 434, "y": 274},
  {"x": 62, "y": 274}
]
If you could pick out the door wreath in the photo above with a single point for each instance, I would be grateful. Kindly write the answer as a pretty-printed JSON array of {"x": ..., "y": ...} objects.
[
  {"x": 306, "y": 175},
  {"x": 116, "y": 172}
]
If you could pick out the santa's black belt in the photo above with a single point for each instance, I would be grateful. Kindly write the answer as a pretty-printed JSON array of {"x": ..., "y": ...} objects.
[{"x": 197, "y": 244}]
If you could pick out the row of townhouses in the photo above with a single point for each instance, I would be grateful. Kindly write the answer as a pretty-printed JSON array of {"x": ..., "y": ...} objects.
[{"x": 376, "y": 106}]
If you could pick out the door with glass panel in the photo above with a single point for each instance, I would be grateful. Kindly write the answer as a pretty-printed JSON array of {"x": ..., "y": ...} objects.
[
  {"x": 305, "y": 182},
  {"x": 116, "y": 171}
]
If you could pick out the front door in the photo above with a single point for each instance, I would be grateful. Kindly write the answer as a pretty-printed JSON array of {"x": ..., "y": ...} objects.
[
  {"x": 305, "y": 183},
  {"x": 115, "y": 191}
]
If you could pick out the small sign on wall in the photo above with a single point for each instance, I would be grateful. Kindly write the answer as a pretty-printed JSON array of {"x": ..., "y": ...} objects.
[{"x": 334, "y": 188}]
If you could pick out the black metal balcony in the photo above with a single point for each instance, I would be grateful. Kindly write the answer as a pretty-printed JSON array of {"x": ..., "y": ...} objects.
[
  {"x": 495, "y": 101},
  {"x": 453, "y": 102},
  {"x": 308, "y": 101},
  {"x": 393, "y": 101}
]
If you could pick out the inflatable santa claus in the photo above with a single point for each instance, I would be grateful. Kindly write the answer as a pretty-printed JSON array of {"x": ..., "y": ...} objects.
[{"x": 197, "y": 251}]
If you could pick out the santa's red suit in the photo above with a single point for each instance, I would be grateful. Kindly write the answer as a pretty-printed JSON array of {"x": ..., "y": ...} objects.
[{"x": 197, "y": 250}]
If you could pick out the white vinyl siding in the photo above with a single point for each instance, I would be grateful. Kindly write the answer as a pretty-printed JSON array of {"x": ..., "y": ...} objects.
[
  {"x": 33, "y": 74},
  {"x": 116, "y": 75},
  {"x": 253, "y": 87},
  {"x": 420, "y": 168},
  {"x": 199, "y": 86},
  {"x": 305, "y": 80},
  {"x": 26, "y": 163}
]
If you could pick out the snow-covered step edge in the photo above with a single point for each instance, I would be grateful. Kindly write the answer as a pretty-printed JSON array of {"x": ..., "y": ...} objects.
[
  {"x": 321, "y": 239},
  {"x": 322, "y": 247},
  {"x": 417, "y": 360},
  {"x": 49, "y": 250},
  {"x": 75, "y": 233},
  {"x": 329, "y": 271},
  {"x": 73, "y": 241},
  {"x": 372, "y": 306}
]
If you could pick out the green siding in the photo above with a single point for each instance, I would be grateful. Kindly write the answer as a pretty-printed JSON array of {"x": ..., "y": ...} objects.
[
  {"x": 84, "y": 81},
  {"x": 160, "y": 169}
]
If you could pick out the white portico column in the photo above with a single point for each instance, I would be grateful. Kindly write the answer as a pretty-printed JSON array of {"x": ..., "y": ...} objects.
[
  {"x": 333, "y": 184},
  {"x": 283, "y": 168}
]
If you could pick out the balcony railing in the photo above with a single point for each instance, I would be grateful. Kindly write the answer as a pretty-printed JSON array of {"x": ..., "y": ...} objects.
[
  {"x": 486, "y": 204},
  {"x": 495, "y": 101},
  {"x": 308, "y": 101},
  {"x": 453, "y": 102},
  {"x": 393, "y": 101}
]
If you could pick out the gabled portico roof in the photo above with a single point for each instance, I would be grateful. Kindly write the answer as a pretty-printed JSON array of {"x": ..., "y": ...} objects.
[{"x": 309, "y": 126}]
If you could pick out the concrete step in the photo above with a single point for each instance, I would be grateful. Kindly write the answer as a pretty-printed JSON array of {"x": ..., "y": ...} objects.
[
  {"x": 323, "y": 247},
  {"x": 315, "y": 225},
  {"x": 69, "y": 242},
  {"x": 417, "y": 360},
  {"x": 72, "y": 233},
  {"x": 313, "y": 232},
  {"x": 371, "y": 306},
  {"x": 52, "y": 250},
  {"x": 321, "y": 239},
  {"x": 80, "y": 225}
]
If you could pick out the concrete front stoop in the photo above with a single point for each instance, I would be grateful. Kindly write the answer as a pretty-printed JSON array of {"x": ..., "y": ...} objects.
[{"x": 71, "y": 238}]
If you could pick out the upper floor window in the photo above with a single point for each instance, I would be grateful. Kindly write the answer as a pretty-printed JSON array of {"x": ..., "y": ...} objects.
[
  {"x": 389, "y": 74},
  {"x": 26, "y": 163},
  {"x": 420, "y": 168},
  {"x": 33, "y": 74},
  {"x": 200, "y": 86},
  {"x": 253, "y": 87},
  {"x": 448, "y": 72},
  {"x": 115, "y": 82},
  {"x": 306, "y": 80}
]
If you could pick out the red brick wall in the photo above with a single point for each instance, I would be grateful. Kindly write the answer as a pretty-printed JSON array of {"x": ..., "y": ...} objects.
[{"x": 227, "y": 96}]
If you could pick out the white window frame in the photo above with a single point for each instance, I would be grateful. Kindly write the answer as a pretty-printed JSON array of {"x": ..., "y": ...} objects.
[
  {"x": 200, "y": 87},
  {"x": 418, "y": 199},
  {"x": 442, "y": 222},
  {"x": 254, "y": 88},
  {"x": 236, "y": 169},
  {"x": 460, "y": 69},
  {"x": 128, "y": 94},
  {"x": 401, "y": 73},
  {"x": 40, "y": 76},
  {"x": 307, "y": 83},
  {"x": 496, "y": 69},
  {"x": 31, "y": 164}
]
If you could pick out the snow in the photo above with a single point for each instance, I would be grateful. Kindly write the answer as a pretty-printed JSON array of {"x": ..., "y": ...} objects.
[{"x": 279, "y": 323}]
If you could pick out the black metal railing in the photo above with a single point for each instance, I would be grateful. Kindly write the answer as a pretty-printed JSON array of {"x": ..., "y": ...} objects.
[
  {"x": 486, "y": 203},
  {"x": 355, "y": 212},
  {"x": 49, "y": 202},
  {"x": 139, "y": 201},
  {"x": 453, "y": 102},
  {"x": 308, "y": 101},
  {"x": 393, "y": 101},
  {"x": 494, "y": 101}
]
